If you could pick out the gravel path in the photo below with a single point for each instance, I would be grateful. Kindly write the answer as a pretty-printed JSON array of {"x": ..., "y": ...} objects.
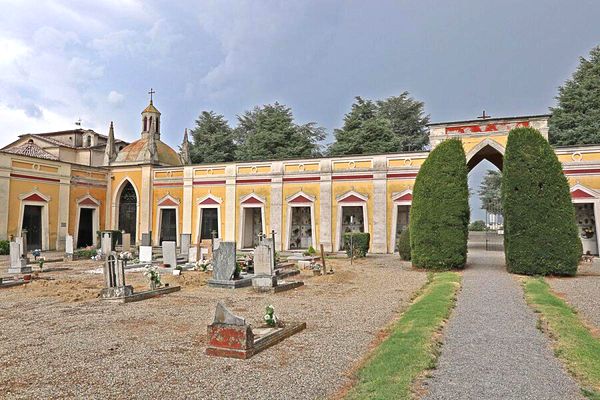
[
  {"x": 55, "y": 345},
  {"x": 582, "y": 291},
  {"x": 492, "y": 348}
]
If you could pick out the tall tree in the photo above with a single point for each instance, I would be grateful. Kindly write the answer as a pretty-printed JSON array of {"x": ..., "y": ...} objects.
[
  {"x": 540, "y": 234},
  {"x": 395, "y": 124},
  {"x": 490, "y": 192},
  {"x": 269, "y": 132},
  {"x": 408, "y": 120},
  {"x": 439, "y": 215},
  {"x": 212, "y": 139},
  {"x": 576, "y": 118}
]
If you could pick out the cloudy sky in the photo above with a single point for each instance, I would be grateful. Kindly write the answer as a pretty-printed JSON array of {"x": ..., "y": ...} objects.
[{"x": 96, "y": 60}]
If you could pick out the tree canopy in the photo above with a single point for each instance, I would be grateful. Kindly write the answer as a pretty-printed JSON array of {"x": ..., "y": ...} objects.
[
  {"x": 576, "y": 118},
  {"x": 490, "y": 192},
  {"x": 269, "y": 132},
  {"x": 395, "y": 124},
  {"x": 212, "y": 139}
]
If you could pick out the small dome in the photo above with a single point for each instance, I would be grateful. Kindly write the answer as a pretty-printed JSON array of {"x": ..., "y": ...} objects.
[
  {"x": 136, "y": 152},
  {"x": 151, "y": 109}
]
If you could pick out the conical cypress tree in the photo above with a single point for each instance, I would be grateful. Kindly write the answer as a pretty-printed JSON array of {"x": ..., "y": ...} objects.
[
  {"x": 540, "y": 235},
  {"x": 439, "y": 216}
]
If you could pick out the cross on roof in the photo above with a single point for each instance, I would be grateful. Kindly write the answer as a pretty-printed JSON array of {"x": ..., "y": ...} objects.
[
  {"x": 484, "y": 116},
  {"x": 151, "y": 92}
]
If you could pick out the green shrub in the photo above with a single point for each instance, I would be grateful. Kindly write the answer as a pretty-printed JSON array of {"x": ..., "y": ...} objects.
[
  {"x": 4, "y": 247},
  {"x": 477, "y": 226},
  {"x": 84, "y": 254},
  {"x": 540, "y": 234},
  {"x": 439, "y": 216},
  {"x": 360, "y": 241},
  {"x": 311, "y": 251},
  {"x": 404, "y": 245}
]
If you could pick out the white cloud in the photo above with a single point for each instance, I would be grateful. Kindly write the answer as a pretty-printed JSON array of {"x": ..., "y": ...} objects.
[
  {"x": 16, "y": 121},
  {"x": 115, "y": 97},
  {"x": 11, "y": 50}
]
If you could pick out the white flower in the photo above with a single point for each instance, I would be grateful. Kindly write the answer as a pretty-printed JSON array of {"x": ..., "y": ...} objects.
[{"x": 267, "y": 317}]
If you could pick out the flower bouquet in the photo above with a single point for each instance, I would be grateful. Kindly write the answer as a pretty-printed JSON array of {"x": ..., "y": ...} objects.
[{"x": 154, "y": 276}]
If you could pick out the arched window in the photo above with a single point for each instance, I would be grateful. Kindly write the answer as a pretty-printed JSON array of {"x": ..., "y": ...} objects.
[
  {"x": 149, "y": 124},
  {"x": 88, "y": 141},
  {"x": 145, "y": 124},
  {"x": 157, "y": 125}
]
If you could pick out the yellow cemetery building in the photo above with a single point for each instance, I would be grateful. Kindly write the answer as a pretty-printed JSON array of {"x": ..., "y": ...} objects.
[{"x": 79, "y": 182}]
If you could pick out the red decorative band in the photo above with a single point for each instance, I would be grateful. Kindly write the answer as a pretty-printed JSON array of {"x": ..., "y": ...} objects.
[
  {"x": 403, "y": 175},
  {"x": 351, "y": 177},
  {"x": 302, "y": 179},
  {"x": 581, "y": 171},
  {"x": 168, "y": 184},
  {"x": 35, "y": 178},
  {"x": 265, "y": 180},
  {"x": 209, "y": 182}
]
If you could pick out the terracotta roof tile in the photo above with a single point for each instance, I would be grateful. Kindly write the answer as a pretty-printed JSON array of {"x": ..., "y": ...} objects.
[{"x": 31, "y": 149}]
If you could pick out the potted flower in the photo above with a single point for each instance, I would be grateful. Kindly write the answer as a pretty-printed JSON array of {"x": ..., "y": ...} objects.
[
  {"x": 41, "y": 263},
  {"x": 238, "y": 270},
  {"x": 587, "y": 232},
  {"x": 270, "y": 317},
  {"x": 154, "y": 276}
]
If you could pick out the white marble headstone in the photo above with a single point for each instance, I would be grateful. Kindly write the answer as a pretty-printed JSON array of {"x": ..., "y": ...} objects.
[
  {"x": 263, "y": 260},
  {"x": 69, "y": 244},
  {"x": 145, "y": 254},
  {"x": 126, "y": 240},
  {"x": 106, "y": 243},
  {"x": 169, "y": 250},
  {"x": 193, "y": 255},
  {"x": 186, "y": 241}
]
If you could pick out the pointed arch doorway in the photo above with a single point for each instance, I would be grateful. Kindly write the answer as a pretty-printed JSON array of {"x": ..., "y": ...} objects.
[{"x": 127, "y": 210}]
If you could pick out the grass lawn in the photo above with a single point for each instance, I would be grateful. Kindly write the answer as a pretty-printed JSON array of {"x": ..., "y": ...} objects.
[
  {"x": 411, "y": 347},
  {"x": 574, "y": 344}
]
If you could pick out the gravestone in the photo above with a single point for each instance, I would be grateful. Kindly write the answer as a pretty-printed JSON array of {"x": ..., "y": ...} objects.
[
  {"x": 263, "y": 260},
  {"x": 147, "y": 239},
  {"x": 126, "y": 239},
  {"x": 19, "y": 241},
  {"x": 24, "y": 243},
  {"x": 224, "y": 261},
  {"x": 186, "y": 241},
  {"x": 106, "y": 243},
  {"x": 69, "y": 244},
  {"x": 69, "y": 247},
  {"x": 193, "y": 255},
  {"x": 169, "y": 250},
  {"x": 114, "y": 278},
  {"x": 18, "y": 265},
  {"x": 146, "y": 254}
]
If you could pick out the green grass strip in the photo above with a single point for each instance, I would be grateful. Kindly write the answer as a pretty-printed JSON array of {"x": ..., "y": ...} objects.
[
  {"x": 574, "y": 343},
  {"x": 411, "y": 348}
]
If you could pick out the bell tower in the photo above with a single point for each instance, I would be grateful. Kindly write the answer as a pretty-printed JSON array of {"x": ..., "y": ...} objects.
[{"x": 151, "y": 119}]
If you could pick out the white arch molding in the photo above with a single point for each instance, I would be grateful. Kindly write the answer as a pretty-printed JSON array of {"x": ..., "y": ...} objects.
[
  {"x": 36, "y": 198},
  {"x": 115, "y": 207},
  {"x": 300, "y": 199},
  {"x": 167, "y": 202},
  {"x": 403, "y": 198},
  {"x": 88, "y": 202},
  {"x": 483, "y": 144},
  {"x": 349, "y": 199},
  {"x": 208, "y": 201}
]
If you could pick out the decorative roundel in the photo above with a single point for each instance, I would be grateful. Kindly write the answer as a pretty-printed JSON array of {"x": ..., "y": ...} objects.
[
  {"x": 300, "y": 167},
  {"x": 254, "y": 169},
  {"x": 169, "y": 174},
  {"x": 408, "y": 162},
  {"x": 576, "y": 156},
  {"x": 209, "y": 171},
  {"x": 36, "y": 167},
  {"x": 352, "y": 164}
]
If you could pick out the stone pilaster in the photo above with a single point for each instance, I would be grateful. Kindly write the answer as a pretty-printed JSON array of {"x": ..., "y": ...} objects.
[
  {"x": 230, "y": 204},
  {"x": 325, "y": 224},
  {"x": 4, "y": 195},
  {"x": 64, "y": 194},
  {"x": 276, "y": 209},
  {"x": 146, "y": 202},
  {"x": 188, "y": 201}
]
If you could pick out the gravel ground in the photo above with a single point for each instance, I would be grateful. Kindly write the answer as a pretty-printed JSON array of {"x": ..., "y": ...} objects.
[
  {"x": 58, "y": 341},
  {"x": 492, "y": 348},
  {"x": 582, "y": 291}
]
